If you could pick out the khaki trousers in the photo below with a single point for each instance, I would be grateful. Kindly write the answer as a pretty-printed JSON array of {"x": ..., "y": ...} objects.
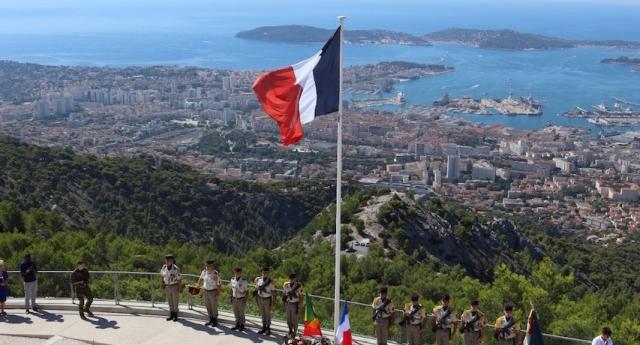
[
  {"x": 264, "y": 305},
  {"x": 238, "y": 310},
  {"x": 413, "y": 334},
  {"x": 382, "y": 331},
  {"x": 442, "y": 336},
  {"x": 471, "y": 337},
  {"x": 211, "y": 302},
  {"x": 173, "y": 296},
  {"x": 291, "y": 310}
]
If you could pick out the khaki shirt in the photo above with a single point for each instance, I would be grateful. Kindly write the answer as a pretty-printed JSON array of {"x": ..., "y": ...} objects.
[
  {"x": 388, "y": 310},
  {"x": 418, "y": 316},
  {"x": 449, "y": 321},
  {"x": 287, "y": 287},
  {"x": 478, "y": 325},
  {"x": 513, "y": 330},
  {"x": 210, "y": 281},
  {"x": 268, "y": 290}
]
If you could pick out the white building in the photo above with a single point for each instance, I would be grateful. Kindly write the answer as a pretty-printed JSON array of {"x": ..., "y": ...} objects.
[
  {"x": 453, "y": 167},
  {"x": 483, "y": 170}
]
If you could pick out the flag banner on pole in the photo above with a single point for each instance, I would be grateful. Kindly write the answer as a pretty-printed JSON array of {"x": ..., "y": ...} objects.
[
  {"x": 295, "y": 95},
  {"x": 343, "y": 333},
  {"x": 534, "y": 333},
  {"x": 311, "y": 323}
]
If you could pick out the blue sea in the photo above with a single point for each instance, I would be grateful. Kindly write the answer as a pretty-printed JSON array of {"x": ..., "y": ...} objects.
[{"x": 201, "y": 33}]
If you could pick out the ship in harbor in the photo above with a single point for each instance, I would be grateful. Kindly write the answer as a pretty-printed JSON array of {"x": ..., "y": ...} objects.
[
  {"x": 525, "y": 105},
  {"x": 399, "y": 99},
  {"x": 603, "y": 115}
]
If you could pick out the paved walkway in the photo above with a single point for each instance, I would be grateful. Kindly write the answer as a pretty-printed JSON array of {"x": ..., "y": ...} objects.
[{"x": 132, "y": 323}]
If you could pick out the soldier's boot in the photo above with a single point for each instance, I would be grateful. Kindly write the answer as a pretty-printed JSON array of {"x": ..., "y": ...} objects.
[
  {"x": 214, "y": 322},
  {"x": 267, "y": 331},
  {"x": 86, "y": 310},
  {"x": 263, "y": 329},
  {"x": 170, "y": 316},
  {"x": 241, "y": 329},
  {"x": 210, "y": 321},
  {"x": 236, "y": 327},
  {"x": 81, "y": 312},
  {"x": 175, "y": 316}
]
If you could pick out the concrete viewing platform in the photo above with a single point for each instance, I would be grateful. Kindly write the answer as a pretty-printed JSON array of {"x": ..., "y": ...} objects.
[{"x": 59, "y": 323}]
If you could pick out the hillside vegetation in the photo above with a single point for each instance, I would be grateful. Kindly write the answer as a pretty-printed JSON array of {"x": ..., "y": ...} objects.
[{"x": 155, "y": 201}]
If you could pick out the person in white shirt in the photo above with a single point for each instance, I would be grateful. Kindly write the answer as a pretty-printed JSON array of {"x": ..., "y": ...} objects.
[
  {"x": 264, "y": 293},
  {"x": 210, "y": 281},
  {"x": 239, "y": 288},
  {"x": 170, "y": 278},
  {"x": 604, "y": 338}
]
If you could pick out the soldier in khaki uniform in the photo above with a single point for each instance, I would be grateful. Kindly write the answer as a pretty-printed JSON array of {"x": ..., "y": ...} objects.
[
  {"x": 264, "y": 293},
  {"x": 209, "y": 281},
  {"x": 443, "y": 322},
  {"x": 414, "y": 316},
  {"x": 239, "y": 289},
  {"x": 293, "y": 292},
  {"x": 473, "y": 324},
  {"x": 382, "y": 316},
  {"x": 507, "y": 328},
  {"x": 170, "y": 278}
]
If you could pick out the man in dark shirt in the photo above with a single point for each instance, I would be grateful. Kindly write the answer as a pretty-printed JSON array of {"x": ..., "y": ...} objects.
[
  {"x": 28, "y": 270},
  {"x": 80, "y": 281}
]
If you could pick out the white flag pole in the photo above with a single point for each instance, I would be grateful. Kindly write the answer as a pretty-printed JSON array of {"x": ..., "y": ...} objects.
[{"x": 336, "y": 307}]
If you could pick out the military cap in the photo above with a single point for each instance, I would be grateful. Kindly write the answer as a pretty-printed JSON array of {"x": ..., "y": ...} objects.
[
  {"x": 384, "y": 289},
  {"x": 292, "y": 274},
  {"x": 475, "y": 302},
  {"x": 415, "y": 296},
  {"x": 80, "y": 262},
  {"x": 446, "y": 297},
  {"x": 508, "y": 307},
  {"x": 265, "y": 268},
  {"x": 237, "y": 269},
  {"x": 209, "y": 262},
  {"x": 169, "y": 256}
]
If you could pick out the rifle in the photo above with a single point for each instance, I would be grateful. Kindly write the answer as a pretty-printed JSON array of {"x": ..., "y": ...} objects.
[
  {"x": 503, "y": 331},
  {"x": 292, "y": 293},
  {"x": 440, "y": 320},
  {"x": 407, "y": 319},
  {"x": 377, "y": 313},
  {"x": 260, "y": 288},
  {"x": 469, "y": 324}
]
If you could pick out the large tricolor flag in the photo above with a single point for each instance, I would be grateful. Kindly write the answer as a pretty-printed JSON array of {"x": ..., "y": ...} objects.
[
  {"x": 296, "y": 94},
  {"x": 534, "y": 333},
  {"x": 311, "y": 323},
  {"x": 343, "y": 333}
]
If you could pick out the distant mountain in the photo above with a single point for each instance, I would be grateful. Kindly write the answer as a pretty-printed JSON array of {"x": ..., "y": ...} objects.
[
  {"x": 139, "y": 198},
  {"x": 310, "y": 34},
  {"x": 514, "y": 40},
  {"x": 624, "y": 60}
]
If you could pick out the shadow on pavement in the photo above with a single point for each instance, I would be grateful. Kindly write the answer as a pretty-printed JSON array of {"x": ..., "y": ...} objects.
[
  {"x": 102, "y": 323},
  {"x": 247, "y": 334},
  {"x": 13, "y": 318},
  {"x": 49, "y": 317}
]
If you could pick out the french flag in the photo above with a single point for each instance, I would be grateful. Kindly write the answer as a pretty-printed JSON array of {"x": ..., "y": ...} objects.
[
  {"x": 295, "y": 95},
  {"x": 343, "y": 333}
]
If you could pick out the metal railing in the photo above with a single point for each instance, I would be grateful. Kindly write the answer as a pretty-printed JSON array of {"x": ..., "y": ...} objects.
[{"x": 144, "y": 286}]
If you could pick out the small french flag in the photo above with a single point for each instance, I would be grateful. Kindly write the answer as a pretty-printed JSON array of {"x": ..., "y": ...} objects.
[
  {"x": 296, "y": 94},
  {"x": 343, "y": 333}
]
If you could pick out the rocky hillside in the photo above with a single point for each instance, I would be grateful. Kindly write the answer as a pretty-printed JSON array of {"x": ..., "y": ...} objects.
[{"x": 432, "y": 232}]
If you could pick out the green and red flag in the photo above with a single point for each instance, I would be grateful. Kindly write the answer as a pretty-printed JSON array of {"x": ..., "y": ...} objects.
[{"x": 311, "y": 322}]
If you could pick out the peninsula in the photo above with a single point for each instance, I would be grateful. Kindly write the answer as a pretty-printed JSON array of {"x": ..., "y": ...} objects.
[
  {"x": 514, "y": 40},
  {"x": 623, "y": 60},
  {"x": 310, "y": 34}
]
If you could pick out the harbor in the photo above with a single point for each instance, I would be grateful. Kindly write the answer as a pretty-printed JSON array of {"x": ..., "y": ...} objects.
[{"x": 602, "y": 115}]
